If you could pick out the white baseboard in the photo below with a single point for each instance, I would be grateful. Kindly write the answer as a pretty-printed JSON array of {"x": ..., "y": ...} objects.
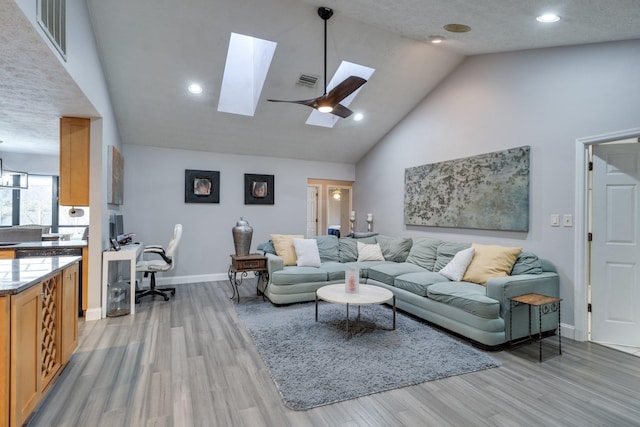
[
  {"x": 183, "y": 280},
  {"x": 93, "y": 314},
  {"x": 568, "y": 331}
]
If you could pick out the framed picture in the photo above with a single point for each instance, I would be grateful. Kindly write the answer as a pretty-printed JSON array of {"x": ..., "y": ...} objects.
[
  {"x": 115, "y": 172},
  {"x": 258, "y": 189},
  {"x": 201, "y": 186}
]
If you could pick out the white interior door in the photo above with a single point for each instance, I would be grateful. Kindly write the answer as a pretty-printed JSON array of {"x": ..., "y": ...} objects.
[
  {"x": 312, "y": 211},
  {"x": 615, "y": 256}
]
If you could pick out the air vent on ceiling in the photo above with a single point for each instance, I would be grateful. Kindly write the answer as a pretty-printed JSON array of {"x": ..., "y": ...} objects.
[
  {"x": 308, "y": 80},
  {"x": 52, "y": 19}
]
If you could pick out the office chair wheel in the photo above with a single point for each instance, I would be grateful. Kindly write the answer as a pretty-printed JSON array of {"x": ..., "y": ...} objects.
[
  {"x": 166, "y": 298},
  {"x": 173, "y": 292}
]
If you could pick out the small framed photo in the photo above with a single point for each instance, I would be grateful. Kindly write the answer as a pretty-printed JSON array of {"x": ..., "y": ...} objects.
[
  {"x": 258, "y": 189},
  {"x": 201, "y": 186}
]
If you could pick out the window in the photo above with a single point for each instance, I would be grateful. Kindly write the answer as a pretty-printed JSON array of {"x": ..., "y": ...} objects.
[{"x": 38, "y": 204}]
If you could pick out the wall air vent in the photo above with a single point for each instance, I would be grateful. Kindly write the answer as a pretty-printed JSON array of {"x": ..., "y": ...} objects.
[
  {"x": 308, "y": 80},
  {"x": 52, "y": 19}
]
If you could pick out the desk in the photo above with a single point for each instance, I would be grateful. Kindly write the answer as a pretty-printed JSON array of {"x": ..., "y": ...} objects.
[
  {"x": 242, "y": 265},
  {"x": 129, "y": 253}
]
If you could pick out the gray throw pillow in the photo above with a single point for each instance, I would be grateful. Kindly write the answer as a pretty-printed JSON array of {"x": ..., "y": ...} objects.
[
  {"x": 527, "y": 263},
  {"x": 348, "y": 248},
  {"x": 327, "y": 247},
  {"x": 446, "y": 252},
  {"x": 423, "y": 252},
  {"x": 394, "y": 248}
]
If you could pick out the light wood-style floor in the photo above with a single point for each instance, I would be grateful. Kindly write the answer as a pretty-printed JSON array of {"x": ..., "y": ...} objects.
[{"x": 188, "y": 362}]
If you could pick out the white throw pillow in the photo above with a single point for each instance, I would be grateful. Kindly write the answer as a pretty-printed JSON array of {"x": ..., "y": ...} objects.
[
  {"x": 458, "y": 265},
  {"x": 369, "y": 252},
  {"x": 307, "y": 252}
]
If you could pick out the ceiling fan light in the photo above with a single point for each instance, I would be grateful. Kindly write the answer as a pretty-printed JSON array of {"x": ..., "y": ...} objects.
[{"x": 325, "y": 108}]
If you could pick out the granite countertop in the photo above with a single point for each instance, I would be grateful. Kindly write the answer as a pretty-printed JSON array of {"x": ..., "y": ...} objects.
[
  {"x": 17, "y": 275},
  {"x": 45, "y": 244}
]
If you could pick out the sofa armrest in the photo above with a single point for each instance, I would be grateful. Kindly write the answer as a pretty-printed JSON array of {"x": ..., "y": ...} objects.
[
  {"x": 503, "y": 288},
  {"x": 274, "y": 263}
]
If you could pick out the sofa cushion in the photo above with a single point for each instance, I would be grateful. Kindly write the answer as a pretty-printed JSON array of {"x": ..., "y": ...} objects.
[
  {"x": 386, "y": 273},
  {"x": 445, "y": 253},
  {"x": 466, "y": 296},
  {"x": 327, "y": 247},
  {"x": 365, "y": 266},
  {"x": 394, "y": 248},
  {"x": 423, "y": 253},
  {"x": 490, "y": 261},
  {"x": 335, "y": 270},
  {"x": 369, "y": 252},
  {"x": 527, "y": 263},
  {"x": 457, "y": 266},
  {"x": 293, "y": 275},
  {"x": 306, "y": 252},
  {"x": 348, "y": 248},
  {"x": 284, "y": 247},
  {"x": 418, "y": 283}
]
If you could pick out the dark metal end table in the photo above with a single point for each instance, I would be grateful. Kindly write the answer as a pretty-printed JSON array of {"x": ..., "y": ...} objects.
[
  {"x": 545, "y": 305},
  {"x": 240, "y": 267}
]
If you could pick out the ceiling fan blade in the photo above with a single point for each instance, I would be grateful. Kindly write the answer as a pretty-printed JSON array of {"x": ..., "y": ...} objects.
[
  {"x": 344, "y": 89},
  {"x": 341, "y": 111},
  {"x": 308, "y": 102}
]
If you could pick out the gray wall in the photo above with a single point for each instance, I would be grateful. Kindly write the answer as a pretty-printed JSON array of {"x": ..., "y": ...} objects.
[
  {"x": 154, "y": 202},
  {"x": 544, "y": 98}
]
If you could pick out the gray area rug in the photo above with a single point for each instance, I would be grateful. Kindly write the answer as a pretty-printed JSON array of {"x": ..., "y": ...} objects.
[{"x": 316, "y": 363}]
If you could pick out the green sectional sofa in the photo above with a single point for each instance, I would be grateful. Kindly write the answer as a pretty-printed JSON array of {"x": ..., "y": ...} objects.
[{"x": 411, "y": 270}]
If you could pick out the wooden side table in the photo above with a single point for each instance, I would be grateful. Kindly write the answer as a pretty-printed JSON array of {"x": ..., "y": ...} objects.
[
  {"x": 240, "y": 268},
  {"x": 545, "y": 305}
]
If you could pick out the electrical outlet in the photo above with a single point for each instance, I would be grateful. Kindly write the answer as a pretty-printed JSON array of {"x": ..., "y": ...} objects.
[
  {"x": 567, "y": 220},
  {"x": 555, "y": 220}
]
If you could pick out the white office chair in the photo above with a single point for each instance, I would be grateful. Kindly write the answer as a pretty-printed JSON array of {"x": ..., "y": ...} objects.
[{"x": 166, "y": 262}]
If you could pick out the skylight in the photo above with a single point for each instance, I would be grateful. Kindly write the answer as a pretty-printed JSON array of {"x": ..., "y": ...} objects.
[
  {"x": 248, "y": 60},
  {"x": 345, "y": 70}
]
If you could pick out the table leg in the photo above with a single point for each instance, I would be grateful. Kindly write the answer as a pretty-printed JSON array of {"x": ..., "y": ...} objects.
[
  {"x": 540, "y": 330},
  {"x": 394, "y": 313},
  {"x": 316, "y": 306},
  {"x": 347, "y": 319},
  {"x": 559, "y": 332}
]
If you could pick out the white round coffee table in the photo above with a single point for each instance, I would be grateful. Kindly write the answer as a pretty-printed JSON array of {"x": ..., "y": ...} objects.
[{"x": 366, "y": 295}]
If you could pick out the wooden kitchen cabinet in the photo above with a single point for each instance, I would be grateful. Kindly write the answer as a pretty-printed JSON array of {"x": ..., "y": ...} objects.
[
  {"x": 69, "y": 319},
  {"x": 7, "y": 254},
  {"x": 38, "y": 338},
  {"x": 74, "y": 161},
  {"x": 26, "y": 350}
]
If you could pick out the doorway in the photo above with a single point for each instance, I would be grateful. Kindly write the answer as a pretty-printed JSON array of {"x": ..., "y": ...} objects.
[
  {"x": 586, "y": 272},
  {"x": 329, "y": 205},
  {"x": 615, "y": 246}
]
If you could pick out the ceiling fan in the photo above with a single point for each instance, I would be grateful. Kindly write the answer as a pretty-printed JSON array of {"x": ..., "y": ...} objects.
[{"x": 330, "y": 102}]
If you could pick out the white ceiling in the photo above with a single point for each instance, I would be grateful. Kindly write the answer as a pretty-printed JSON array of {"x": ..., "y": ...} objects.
[{"x": 151, "y": 53}]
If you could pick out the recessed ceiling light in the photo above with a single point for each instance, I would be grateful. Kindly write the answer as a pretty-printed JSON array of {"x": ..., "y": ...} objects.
[
  {"x": 358, "y": 116},
  {"x": 457, "y": 28},
  {"x": 548, "y": 17},
  {"x": 436, "y": 39},
  {"x": 195, "y": 88}
]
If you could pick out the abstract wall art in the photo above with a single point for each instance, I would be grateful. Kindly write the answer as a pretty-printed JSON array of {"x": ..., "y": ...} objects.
[
  {"x": 489, "y": 191},
  {"x": 115, "y": 171}
]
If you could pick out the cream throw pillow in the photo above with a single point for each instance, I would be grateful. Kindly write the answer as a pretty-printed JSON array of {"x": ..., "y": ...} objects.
[
  {"x": 307, "y": 252},
  {"x": 369, "y": 252},
  {"x": 283, "y": 243},
  {"x": 490, "y": 261},
  {"x": 458, "y": 265}
]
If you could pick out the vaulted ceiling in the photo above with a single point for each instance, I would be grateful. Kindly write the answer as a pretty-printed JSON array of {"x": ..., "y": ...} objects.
[{"x": 152, "y": 50}]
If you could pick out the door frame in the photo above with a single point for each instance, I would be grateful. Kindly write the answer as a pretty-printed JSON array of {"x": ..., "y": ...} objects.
[{"x": 581, "y": 245}]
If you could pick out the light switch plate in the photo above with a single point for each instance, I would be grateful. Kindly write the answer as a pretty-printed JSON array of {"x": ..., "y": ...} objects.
[
  {"x": 567, "y": 220},
  {"x": 555, "y": 220}
]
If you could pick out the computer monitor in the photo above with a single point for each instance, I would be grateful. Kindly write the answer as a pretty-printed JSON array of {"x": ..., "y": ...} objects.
[{"x": 119, "y": 225}]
